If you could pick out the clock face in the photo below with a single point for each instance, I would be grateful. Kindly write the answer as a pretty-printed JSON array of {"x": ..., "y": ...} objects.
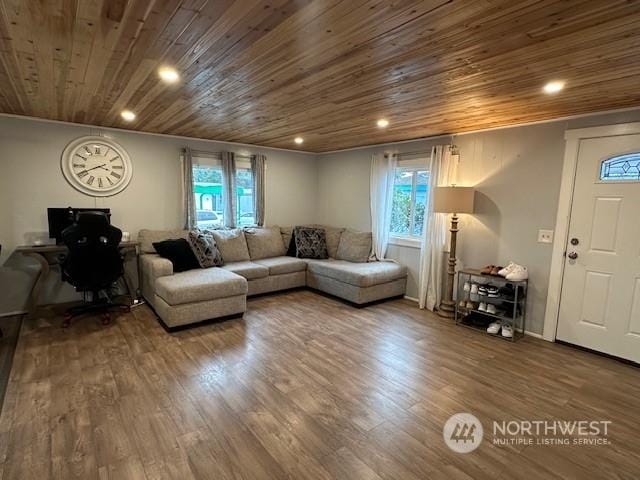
[{"x": 96, "y": 166}]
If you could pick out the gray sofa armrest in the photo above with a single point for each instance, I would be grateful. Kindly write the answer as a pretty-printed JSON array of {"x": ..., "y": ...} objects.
[{"x": 152, "y": 267}]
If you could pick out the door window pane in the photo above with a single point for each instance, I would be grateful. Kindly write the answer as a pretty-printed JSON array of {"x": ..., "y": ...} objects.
[{"x": 621, "y": 168}]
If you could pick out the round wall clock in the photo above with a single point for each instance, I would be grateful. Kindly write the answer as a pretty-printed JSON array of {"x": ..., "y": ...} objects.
[{"x": 97, "y": 166}]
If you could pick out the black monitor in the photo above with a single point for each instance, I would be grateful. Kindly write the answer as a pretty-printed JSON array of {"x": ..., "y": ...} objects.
[{"x": 61, "y": 218}]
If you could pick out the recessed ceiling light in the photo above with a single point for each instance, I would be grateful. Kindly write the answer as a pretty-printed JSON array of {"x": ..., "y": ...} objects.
[
  {"x": 383, "y": 122},
  {"x": 168, "y": 74},
  {"x": 298, "y": 140},
  {"x": 128, "y": 115},
  {"x": 553, "y": 87}
]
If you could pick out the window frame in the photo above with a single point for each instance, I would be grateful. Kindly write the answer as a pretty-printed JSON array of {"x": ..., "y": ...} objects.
[{"x": 409, "y": 240}]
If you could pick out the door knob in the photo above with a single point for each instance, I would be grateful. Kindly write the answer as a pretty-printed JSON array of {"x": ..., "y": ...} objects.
[{"x": 572, "y": 255}]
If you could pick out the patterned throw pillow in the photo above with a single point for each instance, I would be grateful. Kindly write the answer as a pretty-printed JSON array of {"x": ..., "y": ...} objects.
[
  {"x": 204, "y": 248},
  {"x": 310, "y": 242}
]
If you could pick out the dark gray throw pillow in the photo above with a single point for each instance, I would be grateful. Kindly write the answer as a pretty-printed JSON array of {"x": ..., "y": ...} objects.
[
  {"x": 205, "y": 249},
  {"x": 310, "y": 242}
]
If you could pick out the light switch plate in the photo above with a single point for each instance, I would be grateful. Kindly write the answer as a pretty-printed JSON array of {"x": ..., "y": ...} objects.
[{"x": 545, "y": 236}]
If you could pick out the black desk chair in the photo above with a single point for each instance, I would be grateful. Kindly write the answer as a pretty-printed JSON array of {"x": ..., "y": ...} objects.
[{"x": 93, "y": 264}]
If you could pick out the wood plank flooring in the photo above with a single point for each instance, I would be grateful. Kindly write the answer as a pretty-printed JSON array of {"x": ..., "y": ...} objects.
[{"x": 303, "y": 387}]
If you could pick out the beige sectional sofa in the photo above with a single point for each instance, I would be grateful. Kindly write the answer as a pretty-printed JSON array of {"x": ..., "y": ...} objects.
[{"x": 255, "y": 262}]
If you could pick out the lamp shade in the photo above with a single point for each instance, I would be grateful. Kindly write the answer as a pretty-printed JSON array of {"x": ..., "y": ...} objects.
[{"x": 453, "y": 200}]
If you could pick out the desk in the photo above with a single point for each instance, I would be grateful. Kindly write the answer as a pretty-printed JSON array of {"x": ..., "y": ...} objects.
[{"x": 48, "y": 255}]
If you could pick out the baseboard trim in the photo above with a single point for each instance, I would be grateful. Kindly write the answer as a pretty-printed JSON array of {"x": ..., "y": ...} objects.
[
  {"x": 407, "y": 297},
  {"x": 533, "y": 334}
]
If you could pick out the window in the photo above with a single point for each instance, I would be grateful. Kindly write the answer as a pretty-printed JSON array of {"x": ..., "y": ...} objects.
[
  {"x": 410, "y": 192},
  {"x": 621, "y": 168},
  {"x": 209, "y": 200}
]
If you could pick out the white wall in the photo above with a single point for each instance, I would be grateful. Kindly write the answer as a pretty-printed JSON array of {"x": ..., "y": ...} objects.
[
  {"x": 31, "y": 181},
  {"x": 516, "y": 172}
]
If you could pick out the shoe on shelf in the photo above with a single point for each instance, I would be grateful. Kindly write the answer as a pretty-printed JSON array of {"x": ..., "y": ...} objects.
[
  {"x": 508, "y": 292},
  {"x": 507, "y": 331},
  {"x": 494, "y": 327},
  {"x": 493, "y": 292},
  {"x": 467, "y": 287},
  {"x": 471, "y": 306},
  {"x": 487, "y": 270},
  {"x": 482, "y": 307},
  {"x": 474, "y": 288},
  {"x": 518, "y": 274},
  {"x": 482, "y": 290},
  {"x": 491, "y": 308},
  {"x": 462, "y": 304},
  {"x": 507, "y": 270}
]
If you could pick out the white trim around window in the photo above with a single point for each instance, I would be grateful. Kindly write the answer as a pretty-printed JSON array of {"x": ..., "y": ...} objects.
[{"x": 405, "y": 241}]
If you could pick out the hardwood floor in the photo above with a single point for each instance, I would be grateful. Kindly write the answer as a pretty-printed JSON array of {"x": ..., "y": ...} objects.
[{"x": 303, "y": 387}]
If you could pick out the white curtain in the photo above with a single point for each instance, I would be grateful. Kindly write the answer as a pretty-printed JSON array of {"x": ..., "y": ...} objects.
[
  {"x": 435, "y": 231},
  {"x": 381, "y": 194}
]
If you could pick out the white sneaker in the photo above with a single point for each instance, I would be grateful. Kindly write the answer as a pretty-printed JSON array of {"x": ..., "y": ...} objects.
[
  {"x": 507, "y": 270},
  {"x": 507, "y": 331},
  {"x": 482, "y": 307},
  {"x": 491, "y": 308},
  {"x": 518, "y": 273},
  {"x": 470, "y": 306},
  {"x": 467, "y": 286},
  {"x": 474, "y": 288},
  {"x": 494, "y": 327}
]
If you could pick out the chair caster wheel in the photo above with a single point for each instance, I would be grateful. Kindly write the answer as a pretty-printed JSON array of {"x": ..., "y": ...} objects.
[{"x": 67, "y": 320}]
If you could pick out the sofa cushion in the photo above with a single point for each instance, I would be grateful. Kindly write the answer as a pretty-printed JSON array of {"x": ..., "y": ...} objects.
[
  {"x": 200, "y": 285},
  {"x": 248, "y": 270},
  {"x": 286, "y": 233},
  {"x": 354, "y": 246},
  {"x": 205, "y": 249},
  {"x": 232, "y": 245},
  {"x": 364, "y": 274},
  {"x": 146, "y": 238},
  {"x": 281, "y": 265},
  {"x": 179, "y": 253},
  {"x": 310, "y": 242},
  {"x": 264, "y": 242},
  {"x": 333, "y": 236}
]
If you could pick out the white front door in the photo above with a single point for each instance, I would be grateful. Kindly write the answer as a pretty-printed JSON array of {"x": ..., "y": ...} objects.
[{"x": 600, "y": 303}]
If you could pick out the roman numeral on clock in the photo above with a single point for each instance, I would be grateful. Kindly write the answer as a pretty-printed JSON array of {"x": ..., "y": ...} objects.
[
  {"x": 100, "y": 182},
  {"x": 115, "y": 158},
  {"x": 117, "y": 175},
  {"x": 83, "y": 174},
  {"x": 84, "y": 158},
  {"x": 78, "y": 165},
  {"x": 109, "y": 180},
  {"x": 117, "y": 167},
  {"x": 90, "y": 180}
]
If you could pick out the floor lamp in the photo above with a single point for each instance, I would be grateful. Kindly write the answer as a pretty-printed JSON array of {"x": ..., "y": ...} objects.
[{"x": 453, "y": 200}]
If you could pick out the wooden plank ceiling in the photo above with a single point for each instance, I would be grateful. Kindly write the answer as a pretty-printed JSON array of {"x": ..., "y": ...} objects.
[{"x": 263, "y": 72}]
